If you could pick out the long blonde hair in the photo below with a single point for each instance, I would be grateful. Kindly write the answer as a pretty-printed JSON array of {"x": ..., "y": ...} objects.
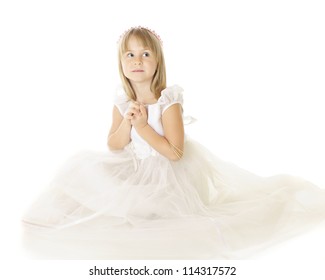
[{"x": 149, "y": 40}]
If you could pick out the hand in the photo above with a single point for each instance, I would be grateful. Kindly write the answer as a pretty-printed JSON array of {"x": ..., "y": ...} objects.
[
  {"x": 132, "y": 110},
  {"x": 137, "y": 114}
]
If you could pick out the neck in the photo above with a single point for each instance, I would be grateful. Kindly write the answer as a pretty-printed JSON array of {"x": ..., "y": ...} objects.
[{"x": 143, "y": 93}]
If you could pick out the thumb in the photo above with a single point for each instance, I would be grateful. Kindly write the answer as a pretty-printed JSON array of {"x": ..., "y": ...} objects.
[{"x": 143, "y": 110}]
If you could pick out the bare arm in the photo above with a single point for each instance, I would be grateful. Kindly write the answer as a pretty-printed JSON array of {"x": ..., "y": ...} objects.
[
  {"x": 172, "y": 144},
  {"x": 119, "y": 134}
]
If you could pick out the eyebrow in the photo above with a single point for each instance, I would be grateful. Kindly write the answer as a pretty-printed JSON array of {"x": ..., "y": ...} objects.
[{"x": 138, "y": 50}]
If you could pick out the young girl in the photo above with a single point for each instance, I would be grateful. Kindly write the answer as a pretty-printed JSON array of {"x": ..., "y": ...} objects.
[{"x": 156, "y": 194}]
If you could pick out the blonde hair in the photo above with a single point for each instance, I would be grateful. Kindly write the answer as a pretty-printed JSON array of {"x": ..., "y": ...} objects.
[{"x": 149, "y": 40}]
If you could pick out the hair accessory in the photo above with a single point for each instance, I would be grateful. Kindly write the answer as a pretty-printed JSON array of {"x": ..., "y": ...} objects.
[{"x": 141, "y": 27}]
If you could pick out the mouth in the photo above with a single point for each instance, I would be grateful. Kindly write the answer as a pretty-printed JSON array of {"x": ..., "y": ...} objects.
[{"x": 137, "y": 71}]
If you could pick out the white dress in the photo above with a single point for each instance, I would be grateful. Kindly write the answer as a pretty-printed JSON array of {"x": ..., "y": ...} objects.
[{"x": 137, "y": 204}]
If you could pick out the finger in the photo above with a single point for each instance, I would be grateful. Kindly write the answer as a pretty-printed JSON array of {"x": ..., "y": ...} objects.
[
  {"x": 136, "y": 107},
  {"x": 143, "y": 110},
  {"x": 134, "y": 104},
  {"x": 133, "y": 111},
  {"x": 129, "y": 113},
  {"x": 128, "y": 116}
]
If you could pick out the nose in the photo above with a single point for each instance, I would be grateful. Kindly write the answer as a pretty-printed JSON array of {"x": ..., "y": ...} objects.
[{"x": 137, "y": 61}]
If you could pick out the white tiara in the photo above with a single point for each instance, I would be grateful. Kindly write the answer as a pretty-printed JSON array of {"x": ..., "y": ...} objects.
[{"x": 141, "y": 27}]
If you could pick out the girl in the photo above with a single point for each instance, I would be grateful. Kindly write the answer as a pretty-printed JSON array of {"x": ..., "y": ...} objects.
[{"x": 156, "y": 194}]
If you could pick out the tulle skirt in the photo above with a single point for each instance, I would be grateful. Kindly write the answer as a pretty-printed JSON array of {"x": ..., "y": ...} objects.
[{"x": 111, "y": 205}]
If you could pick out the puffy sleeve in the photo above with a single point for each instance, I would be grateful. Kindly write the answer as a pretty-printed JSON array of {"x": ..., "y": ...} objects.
[
  {"x": 121, "y": 100},
  {"x": 170, "y": 96}
]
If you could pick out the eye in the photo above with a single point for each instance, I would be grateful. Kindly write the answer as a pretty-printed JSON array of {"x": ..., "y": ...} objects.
[
  {"x": 146, "y": 54},
  {"x": 129, "y": 55}
]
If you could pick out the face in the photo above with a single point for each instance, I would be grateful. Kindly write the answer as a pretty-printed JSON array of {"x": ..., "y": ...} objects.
[{"x": 138, "y": 63}]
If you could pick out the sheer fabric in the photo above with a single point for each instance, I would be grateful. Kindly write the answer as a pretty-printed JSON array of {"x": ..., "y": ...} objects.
[{"x": 136, "y": 204}]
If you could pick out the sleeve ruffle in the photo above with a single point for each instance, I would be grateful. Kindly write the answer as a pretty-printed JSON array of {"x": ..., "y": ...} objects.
[
  {"x": 121, "y": 100},
  {"x": 171, "y": 96}
]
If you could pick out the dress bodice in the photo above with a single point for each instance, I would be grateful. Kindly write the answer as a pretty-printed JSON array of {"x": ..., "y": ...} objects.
[{"x": 169, "y": 96}]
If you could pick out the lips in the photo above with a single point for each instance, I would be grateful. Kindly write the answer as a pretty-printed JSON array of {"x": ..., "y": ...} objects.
[{"x": 137, "y": 70}]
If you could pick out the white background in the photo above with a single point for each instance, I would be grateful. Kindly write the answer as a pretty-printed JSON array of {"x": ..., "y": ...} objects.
[{"x": 253, "y": 74}]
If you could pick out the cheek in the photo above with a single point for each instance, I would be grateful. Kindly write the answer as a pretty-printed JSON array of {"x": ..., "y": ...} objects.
[
  {"x": 124, "y": 66},
  {"x": 154, "y": 66}
]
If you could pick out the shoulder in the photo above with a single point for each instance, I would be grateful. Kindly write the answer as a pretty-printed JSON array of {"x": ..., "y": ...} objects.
[
  {"x": 120, "y": 95},
  {"x": 170, "y": 96},
  {"x": 121, "y": 100}
]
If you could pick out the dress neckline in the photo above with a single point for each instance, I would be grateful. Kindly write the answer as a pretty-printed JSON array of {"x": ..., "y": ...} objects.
[{"x": 149, "y": 104}]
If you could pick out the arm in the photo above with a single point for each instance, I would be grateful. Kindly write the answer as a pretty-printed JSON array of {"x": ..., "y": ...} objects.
[
  {"x": 171, "y": 145},
  {"x": 119, "y": 134}
]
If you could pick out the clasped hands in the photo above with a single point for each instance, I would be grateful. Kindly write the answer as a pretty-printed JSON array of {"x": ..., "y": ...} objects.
[{"x": 137, "y": 115}]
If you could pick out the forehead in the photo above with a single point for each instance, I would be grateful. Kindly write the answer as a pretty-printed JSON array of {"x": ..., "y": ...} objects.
[
  {"x": 135, "y": 43},
  {"x": 137, "y": 39}
]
